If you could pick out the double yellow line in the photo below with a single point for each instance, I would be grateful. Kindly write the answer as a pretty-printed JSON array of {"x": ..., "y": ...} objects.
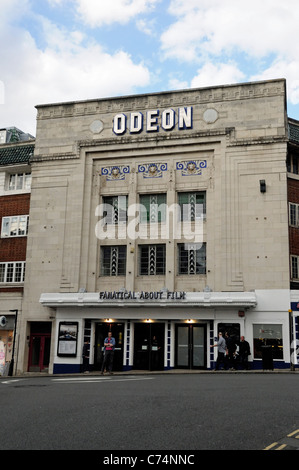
[{"x": 294, "y": 435}]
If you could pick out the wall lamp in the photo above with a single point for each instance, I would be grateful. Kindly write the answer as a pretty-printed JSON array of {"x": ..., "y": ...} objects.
[{"x": 263, "y": 186}]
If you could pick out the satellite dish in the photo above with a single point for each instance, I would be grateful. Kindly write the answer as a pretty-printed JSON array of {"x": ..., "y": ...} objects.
[{"x": 3, "y": 321}]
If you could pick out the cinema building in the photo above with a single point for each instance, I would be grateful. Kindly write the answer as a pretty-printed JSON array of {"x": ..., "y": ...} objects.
[{"x": 165, "y": 219}]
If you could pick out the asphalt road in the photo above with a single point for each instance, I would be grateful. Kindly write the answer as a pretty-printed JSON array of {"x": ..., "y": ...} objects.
[{"x": 224, "y": 411}]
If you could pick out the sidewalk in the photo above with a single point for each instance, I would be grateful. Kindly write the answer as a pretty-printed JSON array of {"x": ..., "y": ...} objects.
[{"x": 161, "y": 372}]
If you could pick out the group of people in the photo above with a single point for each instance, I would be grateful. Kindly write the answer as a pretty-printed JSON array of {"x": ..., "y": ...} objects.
[{"x": 228, "y": 355}]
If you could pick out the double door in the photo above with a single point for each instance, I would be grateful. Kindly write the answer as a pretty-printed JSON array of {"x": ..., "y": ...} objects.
[
  {"x": 149, "y": 346},
  {"x": 191, "y": 346}
]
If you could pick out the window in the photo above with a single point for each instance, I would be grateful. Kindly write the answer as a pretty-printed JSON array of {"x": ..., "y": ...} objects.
[
  {"x": 19, "y": 181},
  {"x": 15, "y": 226},
  {"x": 292, "y": 163},
  {"x": 115, "y": 209},
  {"x": 152, "y": 260},
  {"x": 192, "y": 206},
  {"x": 268, "y": 335},
  {"x": 13, "y": 272},
  {"x": 192, "y": 258},
  {"x": 153, "y": 208},
  {"x": 113, "y": 260},
  {"x": 294, "y": 267},
  {"x": 294, "y": 214}
]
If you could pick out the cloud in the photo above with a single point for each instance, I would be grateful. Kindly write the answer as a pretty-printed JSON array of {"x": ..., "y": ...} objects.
[
  {"x": 259, "y": 37},
  {"x": 213, "y": 27},
  {"x": 96, "y": 13},
  {"x": 70, "y": 67},
  {"x": 282, "y": 68},
  {"x": 217, "y": 74}
]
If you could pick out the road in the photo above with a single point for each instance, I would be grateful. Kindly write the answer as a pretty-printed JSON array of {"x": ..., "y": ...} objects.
[{"x": 182, "y": 412}]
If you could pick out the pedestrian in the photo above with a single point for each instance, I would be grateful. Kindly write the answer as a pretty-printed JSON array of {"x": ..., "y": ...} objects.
[
  {"x": 231, "y": 351},
  {"x": 221, "y": 345},
  {"x": 109, "y": 346},
  {"x": 244, "y": 352},
  {"x": 85, "y": 356}
]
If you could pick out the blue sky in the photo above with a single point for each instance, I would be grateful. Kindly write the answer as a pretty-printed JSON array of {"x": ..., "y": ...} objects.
[{"x": 68, "y": 50}]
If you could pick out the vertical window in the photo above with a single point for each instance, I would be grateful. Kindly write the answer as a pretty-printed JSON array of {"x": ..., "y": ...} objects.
[
  {"x": 153, "y": 208},
  {"x": 294, "y": 214},
  {"x": 115, "y": 209},
  {"x": 152, "y": 260},
  {"x": 294, "y": 267},
  {"x": 192, "y": 206},
  {"x": 192, "y": 258},
  {"x": 113, "y": 260}
]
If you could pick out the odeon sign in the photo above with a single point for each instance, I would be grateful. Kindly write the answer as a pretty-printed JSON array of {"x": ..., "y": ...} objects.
[{"x": 152, "y": 121}]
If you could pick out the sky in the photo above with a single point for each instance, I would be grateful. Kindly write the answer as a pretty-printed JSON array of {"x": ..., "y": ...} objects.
[{"x": 69, "y": 50}]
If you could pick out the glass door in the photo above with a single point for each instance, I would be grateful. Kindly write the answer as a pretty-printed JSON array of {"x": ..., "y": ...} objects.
[
  {"x": 149, "y": 346},
  {"x": 102, "y": 330},
  {"x": 190, "y": 346}
]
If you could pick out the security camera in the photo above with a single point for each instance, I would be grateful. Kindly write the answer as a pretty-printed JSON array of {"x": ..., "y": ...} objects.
[{"x": 3, "y": 321}]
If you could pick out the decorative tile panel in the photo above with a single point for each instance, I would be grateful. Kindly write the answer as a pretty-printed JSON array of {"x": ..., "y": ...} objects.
[
  {"x": 113, "y": 173},
  {"x": 152, "y": 170},
  {"x": 191, "y": 167}
]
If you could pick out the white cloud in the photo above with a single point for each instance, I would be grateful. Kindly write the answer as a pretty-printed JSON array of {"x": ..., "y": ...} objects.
[
  {"x": 69, "y": 68},
  {"x": 256, "y": 35},
  {"x": 219, "y": 74},
  {"x": 281, "y": 69},
  {"x": 97, "y": 12},
  {"x": 217, "y": 26}
]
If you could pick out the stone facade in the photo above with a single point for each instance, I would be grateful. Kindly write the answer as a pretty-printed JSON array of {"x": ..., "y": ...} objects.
[{"x": 225, "y": 142}]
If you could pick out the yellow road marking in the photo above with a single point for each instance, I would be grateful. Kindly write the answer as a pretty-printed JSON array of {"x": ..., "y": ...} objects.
[
  {"x": 281, "y": 447},
  {"x": 271, "y": 445}
]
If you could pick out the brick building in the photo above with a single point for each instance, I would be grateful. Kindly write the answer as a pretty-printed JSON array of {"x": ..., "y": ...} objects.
[{"x": 16, "y": 149}]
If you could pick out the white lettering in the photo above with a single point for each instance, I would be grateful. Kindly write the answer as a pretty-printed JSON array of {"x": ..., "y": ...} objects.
[
  {"x": 185, "y": 118},
  {"x": 136, "y": 122},
  {"x": 168, "y": 119},
  {"x": 152, "y": 121},
  {"x": 119, "y": 124}
]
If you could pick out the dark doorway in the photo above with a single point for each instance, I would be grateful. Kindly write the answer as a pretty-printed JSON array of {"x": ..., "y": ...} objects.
[
  {"x": 101, "y": 333},
  {"x": 149, "y": 346},
  {"x": 39, "y": 347},
  {"x": 190, "y": 350}
]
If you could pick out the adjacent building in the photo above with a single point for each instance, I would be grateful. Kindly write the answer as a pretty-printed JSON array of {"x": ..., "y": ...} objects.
[
  {"x": 16, "y": 149},
  {"x": 165, "y": 218}
]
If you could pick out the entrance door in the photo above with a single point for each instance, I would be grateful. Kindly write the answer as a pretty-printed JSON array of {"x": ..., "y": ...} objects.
[
  {"x": 39, "y": 352},
  {"x": 102, "y": 330},
  {"x": 190, "y": 346},
  {"x": 149, "y": 346}
]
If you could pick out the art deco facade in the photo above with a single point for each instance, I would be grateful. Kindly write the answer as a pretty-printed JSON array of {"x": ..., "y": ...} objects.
[{"x": 165, "y": 218}]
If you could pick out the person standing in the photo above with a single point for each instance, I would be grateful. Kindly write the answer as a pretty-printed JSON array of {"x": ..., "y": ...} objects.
[
  {"x": 244, "y": 352},
  {"x": 109, "y": 346},
  {"x": 221, "y": 345}
]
